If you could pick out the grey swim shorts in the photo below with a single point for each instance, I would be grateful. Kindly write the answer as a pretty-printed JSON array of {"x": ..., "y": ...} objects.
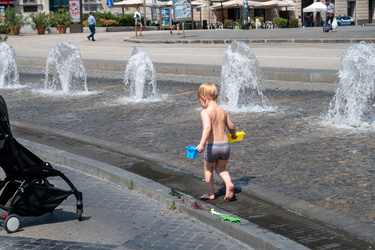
[{"x": 216, "y": 151}]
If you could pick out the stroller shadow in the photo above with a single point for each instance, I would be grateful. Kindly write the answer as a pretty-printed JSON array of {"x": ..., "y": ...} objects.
[{"x": 56, "y": 216}]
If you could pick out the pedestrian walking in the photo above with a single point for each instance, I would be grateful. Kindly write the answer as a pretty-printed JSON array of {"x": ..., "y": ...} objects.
[
  {"x": 92, "y": 23},
  {"x": 330, "y": 13},
  {"x": 174, "y": 24}
]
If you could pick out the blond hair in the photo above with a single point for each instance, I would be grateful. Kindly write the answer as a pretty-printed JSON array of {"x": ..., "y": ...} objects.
[{"x": 208, "y": 90}]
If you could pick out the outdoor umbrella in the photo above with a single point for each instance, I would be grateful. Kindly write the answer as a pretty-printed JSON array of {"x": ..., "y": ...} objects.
[
  {"x": 272, "y": 4},
  {"x": 315, "y": 7},
  {"x": 133, "y": 3},
  {"x": 254, "y": 4},
  {"x": 228, "y": 4}
]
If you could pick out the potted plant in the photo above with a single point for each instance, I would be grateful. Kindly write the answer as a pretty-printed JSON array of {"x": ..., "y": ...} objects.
[
  {"x": 228, "y": 23},
  {"x": 2, "y": 30},
  {"x": 61, "y": 20},
  {"x": 14, "y": 20},
  {"x": 40, "y": 22}
]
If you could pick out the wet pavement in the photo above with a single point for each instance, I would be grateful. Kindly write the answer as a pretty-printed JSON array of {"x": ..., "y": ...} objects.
[{"x": 288, "y": 157}]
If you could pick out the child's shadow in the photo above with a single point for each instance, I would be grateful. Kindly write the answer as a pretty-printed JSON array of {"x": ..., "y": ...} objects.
[{"x": 238, "y": 184}]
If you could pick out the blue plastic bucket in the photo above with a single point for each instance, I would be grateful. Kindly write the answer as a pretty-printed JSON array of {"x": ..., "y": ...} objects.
[{"x": 191, "y": 152}]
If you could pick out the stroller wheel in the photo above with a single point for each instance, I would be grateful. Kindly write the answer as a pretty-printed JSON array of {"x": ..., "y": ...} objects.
[
  {"x": 12, "y": 223},
  {"x": 79, "y": 213}
]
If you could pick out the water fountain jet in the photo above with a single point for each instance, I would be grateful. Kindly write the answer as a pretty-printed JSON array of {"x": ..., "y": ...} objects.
[
  {"x": 140, "y": 76},
  {"x": 9, "y": 76},
  {"x": 68, "y": 71},
  {"x": 242, "y": 81},
  {"x": 353, "y": 104}
]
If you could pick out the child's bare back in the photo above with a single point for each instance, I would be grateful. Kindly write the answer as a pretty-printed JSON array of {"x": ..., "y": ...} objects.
[{"x": 218, "y": 118}]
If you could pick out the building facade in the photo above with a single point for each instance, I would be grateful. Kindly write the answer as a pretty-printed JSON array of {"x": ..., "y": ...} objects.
[
  {"x": 27, "y": 6},
  {"x": 361, "y": 10}
]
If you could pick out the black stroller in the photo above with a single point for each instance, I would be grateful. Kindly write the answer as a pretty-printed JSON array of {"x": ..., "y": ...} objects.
[{"x": 25, "y": 189}]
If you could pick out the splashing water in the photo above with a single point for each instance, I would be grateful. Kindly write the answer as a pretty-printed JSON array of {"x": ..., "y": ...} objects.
[
  {"x": 353, "y": 104},
  {"x": 68, "y": 72},
  {"x": 242, "y": 81},
  {"x": 140, "y": 76},
  {"x": 9, "y": 76}
]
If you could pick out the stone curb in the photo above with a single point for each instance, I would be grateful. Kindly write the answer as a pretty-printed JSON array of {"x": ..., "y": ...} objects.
[
  {"x": 272, "y": 74},
  {"x": 228, "y": 41},
  {"x": 247, "y": 232}
]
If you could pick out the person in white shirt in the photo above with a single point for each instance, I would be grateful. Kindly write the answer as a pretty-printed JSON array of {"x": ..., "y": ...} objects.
[
  {"x": 138, "y": 22},
  {"x": 257, "y": 23},
  {"x": 330, "y": 12}
]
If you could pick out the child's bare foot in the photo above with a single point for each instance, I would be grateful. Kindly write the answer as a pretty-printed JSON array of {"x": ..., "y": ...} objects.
[
  {"x": 229, "y": 193},
  {"x": 207, "y": 197}
]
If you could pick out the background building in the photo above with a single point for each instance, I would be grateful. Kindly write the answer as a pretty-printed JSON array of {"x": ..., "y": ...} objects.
[
  {"x": 53, "y": 5},
  {"x": 361, "y": 10}
]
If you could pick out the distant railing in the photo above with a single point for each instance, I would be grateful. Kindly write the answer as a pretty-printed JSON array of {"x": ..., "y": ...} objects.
[
  {"x": 217, "y": 25},
  {"x": 269, "y": 25}
]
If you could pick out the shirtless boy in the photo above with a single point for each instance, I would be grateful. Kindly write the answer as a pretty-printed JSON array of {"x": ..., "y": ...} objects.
[{"x": 214, "y": 141}]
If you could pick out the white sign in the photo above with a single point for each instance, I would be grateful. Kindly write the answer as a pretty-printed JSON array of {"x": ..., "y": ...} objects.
[
  {"x": 182, "y": 10},
  {"x": 75, "y": 13}
]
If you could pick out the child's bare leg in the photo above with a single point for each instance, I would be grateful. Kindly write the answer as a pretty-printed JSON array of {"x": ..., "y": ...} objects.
[
  {"x": 209, "y": 179},
  {"x": 224, "y": 174}
]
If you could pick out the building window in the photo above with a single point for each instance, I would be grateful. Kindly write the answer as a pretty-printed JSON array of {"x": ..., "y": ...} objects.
[
  {"x": 91, "y": 7},
  {"x": 30, "y": 8}
]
